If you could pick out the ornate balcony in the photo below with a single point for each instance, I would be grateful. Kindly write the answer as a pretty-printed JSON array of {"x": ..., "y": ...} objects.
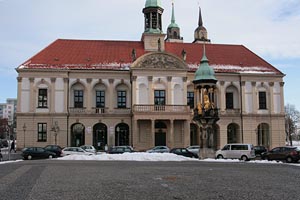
[
  {"x": 98, "y": 111},
  {"x": 73, "y": 110},
  {"x": 161, "y": 108}
]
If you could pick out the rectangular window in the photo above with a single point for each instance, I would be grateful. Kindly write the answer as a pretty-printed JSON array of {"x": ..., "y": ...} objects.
[
  {"x": 42, "y": 132},
  {"x": 78, "y": 98},
  {"x": 190, "y": 99},
  {"x": 100, "y": 99},
  {"x": 262, "y": 98},
  {"x": 121, "y": 99},
  {"x": 42, "y": 98},
  {"x": 229, "y": 100},
  {"x": 160, "y": 97}
]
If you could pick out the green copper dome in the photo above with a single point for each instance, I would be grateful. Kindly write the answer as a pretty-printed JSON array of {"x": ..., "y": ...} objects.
[
  {"x": 205, "y": 73},
  {"x": 153, "y": 3}
]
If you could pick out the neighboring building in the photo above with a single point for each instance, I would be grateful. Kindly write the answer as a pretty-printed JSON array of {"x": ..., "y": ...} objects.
[
  {"x": 141, "y": 93},
  {"x": 8, "y": 111}
]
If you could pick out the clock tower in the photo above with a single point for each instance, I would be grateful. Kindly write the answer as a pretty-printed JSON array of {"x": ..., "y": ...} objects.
[
  {"x": 153, "y": 37},
  {"x": 200, "y": 34}
]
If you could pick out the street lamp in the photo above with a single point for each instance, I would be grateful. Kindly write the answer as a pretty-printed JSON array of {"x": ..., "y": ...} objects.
[
  {"x": 55, "y": 129},
  {"x": 118, "y": 133},
  {"x": 24, "y": 129}
]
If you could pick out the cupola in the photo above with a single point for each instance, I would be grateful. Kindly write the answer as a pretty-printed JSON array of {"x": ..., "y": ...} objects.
[
  {"x": 173, "y": 32},
  {"x": 200, "y": 34},
  {"x": 205, "y": 73},
  {"x": 153, "y": 36}
]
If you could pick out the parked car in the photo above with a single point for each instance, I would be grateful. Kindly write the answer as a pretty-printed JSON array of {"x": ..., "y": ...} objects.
[
  {"x": 236, "y": 151},
  {"x": 120, "y": 149},
  {"x": 259, "y": 150},
  {"x": 159, "y": 149},
  {"x": 75, "y": 151},
  {"x": 37, "y": 153},
  {"x": 3, "y": 143},
  {"x": 289, "y": 154},
  {"x": 54, "y": 148},
  {"x": 184, "y": 152},
  {"x": 194, "y": 149},
  {"x": 89, "y": 148}
]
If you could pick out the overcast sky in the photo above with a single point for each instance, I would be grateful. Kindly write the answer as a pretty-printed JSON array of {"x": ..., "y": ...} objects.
[{"x": 270, "y": 28}]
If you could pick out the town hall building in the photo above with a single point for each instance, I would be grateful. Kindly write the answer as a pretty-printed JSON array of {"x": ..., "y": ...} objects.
[{"x": 141, "y": 93}]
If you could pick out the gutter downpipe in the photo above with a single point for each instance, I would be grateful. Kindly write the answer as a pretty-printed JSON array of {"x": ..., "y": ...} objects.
[
  {"x": 242, "y": 119},
  {"x": 68, "y": 113}
]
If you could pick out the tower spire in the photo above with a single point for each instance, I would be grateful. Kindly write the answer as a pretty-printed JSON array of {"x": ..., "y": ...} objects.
[
  {"x": 173, "y": 33},
  {"x": 173, "y": 15},
  {"x": 200, "y": 34},
  {"x": 200, "y": 22}
]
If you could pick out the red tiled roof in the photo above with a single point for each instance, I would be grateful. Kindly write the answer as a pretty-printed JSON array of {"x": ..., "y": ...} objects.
[{"x": 100, "y": 54}]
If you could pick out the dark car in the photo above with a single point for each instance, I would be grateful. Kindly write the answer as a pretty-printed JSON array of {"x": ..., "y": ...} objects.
[
  {"x": 184, "y": 152},
  {"x": 55, "y": 149},
  {"x": 289, "y": 154},
  {"x": 120, "y": 149},
  {"x": 29, "y": 153},
  {"x": 259, "y": 150},
  {"x": 3, "y": 143}
]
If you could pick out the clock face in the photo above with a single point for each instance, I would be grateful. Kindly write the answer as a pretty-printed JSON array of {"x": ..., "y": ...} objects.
[{"x": 153, "y": 42}]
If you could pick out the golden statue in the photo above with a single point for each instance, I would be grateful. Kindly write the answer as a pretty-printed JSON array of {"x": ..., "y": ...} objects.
[
  {"x": 206, "y": 102},
  {"x": 199, "y": 106}
]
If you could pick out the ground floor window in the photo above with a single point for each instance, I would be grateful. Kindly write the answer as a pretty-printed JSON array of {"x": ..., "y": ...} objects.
[{"x": 42, "y": 132}]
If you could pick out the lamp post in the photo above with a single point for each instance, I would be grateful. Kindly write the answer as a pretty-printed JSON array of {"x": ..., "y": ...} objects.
[
  {"x": 24, "y": 129},
  {"x": 206, "y": 112},
  {"x": 9, "y": 143},
  {"x": 118, "y": 133}
]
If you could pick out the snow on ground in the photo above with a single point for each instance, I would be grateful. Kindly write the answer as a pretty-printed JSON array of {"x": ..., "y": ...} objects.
[
  {"x": 150, "y": 157},
  {"x": 130, "y": 157},
  {"x": 141, "y": 156}
]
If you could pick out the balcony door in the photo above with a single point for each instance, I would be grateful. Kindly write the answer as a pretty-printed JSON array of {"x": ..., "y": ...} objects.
[
  {"x": 160, "y": 134},
  {"x": 160, "y": 100}
]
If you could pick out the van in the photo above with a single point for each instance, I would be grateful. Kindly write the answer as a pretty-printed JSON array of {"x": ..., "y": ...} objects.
[{"x": 236, "y": 151}]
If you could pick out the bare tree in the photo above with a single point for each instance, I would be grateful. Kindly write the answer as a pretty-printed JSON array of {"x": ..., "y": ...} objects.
[{"x": 291, "y": 119}]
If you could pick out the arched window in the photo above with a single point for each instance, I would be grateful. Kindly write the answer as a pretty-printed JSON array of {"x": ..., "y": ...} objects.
[
  {"x": 263, "y": 136},
  {"x": 232, "y": 97},
  {"x": 233, "y": 133},
  {"x": 122, "y": 134}
]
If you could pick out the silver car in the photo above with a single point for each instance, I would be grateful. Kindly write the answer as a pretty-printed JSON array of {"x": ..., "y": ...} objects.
[
  {"x": 89, "y": 148},
  {"x": 194, "y": 149},
  {"x": 75, "y": 150},
  {"x": 159, "y": 149}
]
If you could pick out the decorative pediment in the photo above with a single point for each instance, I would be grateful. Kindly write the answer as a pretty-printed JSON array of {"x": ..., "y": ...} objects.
[{"x": 160, "y": 61}]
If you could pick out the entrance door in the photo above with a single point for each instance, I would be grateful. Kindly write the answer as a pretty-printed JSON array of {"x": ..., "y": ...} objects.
[
  {"x": 77, "y": 135},
  {"x": 160, "y": 139},
  {"x": 100, "y": 136}
]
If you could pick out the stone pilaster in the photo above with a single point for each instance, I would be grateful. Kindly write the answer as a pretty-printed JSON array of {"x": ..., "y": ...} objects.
[
  {"x": 52, "y": 96},
  {"x": 169, "y": 90},
  {"x": 32, "y": 95},
  {"x": 19, "y": 94},
  {"x": 150, "y": 86},
  {"x": 254, "y": 98}
]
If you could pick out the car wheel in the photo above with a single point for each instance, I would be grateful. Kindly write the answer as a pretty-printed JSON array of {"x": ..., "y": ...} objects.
[
  {"x": 289, "y": 159},
  {"x": 29, "y": 157},
  {"x": 50, "y": 156},
  {"x": 220, "y": 157},
  {"x": 244, "y": 158}
]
